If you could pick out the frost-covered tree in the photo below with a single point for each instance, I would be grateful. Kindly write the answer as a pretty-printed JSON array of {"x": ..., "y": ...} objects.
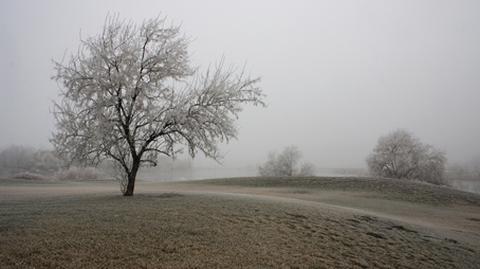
[
  {"x": 401, "y": 155},
  {"x": 131, "y": 94},
  {"x": 286, "y": 164}
]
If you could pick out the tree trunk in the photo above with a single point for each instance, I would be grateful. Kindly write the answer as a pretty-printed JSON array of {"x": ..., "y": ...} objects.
[
  {"x": 131, "y": 179},
  {"x": 130, "y": 186}
]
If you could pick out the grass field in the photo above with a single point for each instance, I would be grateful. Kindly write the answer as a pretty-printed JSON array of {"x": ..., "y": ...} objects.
[{"x": 239, "y": 223}]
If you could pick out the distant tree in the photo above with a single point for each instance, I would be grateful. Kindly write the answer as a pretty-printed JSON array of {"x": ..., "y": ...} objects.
[
  {"x": 47, "y": 161},
  {"x": 401, "y": 155},
  {"x": 15, "y": 159},
  {"x": 20, "y": 159},
  {"x": 270, "y": 167},
  {"x": 287, "y": 161},
  {"x": 306, "y": 170},
  {"x": 285, "y": 164},
  {"x": 131, "y": 94}
]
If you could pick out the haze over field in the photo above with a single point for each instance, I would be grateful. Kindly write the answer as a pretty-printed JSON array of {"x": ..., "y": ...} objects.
[
  {"x": 352, "y": 128},
  {"x": 337, "y": 74}
]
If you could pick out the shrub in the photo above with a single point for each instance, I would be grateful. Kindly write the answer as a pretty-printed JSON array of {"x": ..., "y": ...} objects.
[
  {"x": 401, "y": 155},
  {"x": 286, "y": 164},
  {"x": 78, "y": 173}
]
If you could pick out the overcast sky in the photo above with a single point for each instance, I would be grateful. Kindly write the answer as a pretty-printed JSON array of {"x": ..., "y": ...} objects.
[{"x": 338, "y": 74}]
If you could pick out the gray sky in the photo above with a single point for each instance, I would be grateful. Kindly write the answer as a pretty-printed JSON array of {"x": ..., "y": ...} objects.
[{"x": 338, "y": 74}]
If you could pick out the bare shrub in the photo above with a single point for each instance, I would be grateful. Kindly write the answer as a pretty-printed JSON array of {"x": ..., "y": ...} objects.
[
  {"x": 79, "y": 173},
  {"x": 307, "y": 170},
  {"x": 285, "y": 164},
  {"x": 401, "y": 155}
]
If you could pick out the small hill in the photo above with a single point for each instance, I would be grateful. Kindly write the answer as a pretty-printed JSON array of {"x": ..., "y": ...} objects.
[{"x": 395, "y": 189}]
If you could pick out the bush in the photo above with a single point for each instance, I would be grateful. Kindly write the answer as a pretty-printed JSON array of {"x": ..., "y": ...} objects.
[
  {"x": 79, "y": 173},
  {"x": 286, "y": 164},
  {"x": 401, "y": 155}
]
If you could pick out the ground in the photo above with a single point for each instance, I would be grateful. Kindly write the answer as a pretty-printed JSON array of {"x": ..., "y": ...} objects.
[{"x": 247, "y": 223}]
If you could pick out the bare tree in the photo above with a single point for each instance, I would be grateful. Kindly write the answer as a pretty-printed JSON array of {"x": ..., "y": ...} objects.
[
  {"x": 287, "y": 161},
  {"x": 270, "y": 167},
  {"x": 20, "y": 159},
  {"x": 285, "y": 164},
  {"x": 401, "y": 155},
  {"x": 306, "y": 170},
  {"x": 16, "y": 159},
  {"x": 131, "y": 94}
]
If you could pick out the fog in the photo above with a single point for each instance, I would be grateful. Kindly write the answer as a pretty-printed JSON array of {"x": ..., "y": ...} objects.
[{"x": 337, "y": 74}]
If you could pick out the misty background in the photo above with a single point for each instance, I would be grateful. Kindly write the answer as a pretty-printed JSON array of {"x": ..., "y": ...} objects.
[{"x": 337, "y": 74}]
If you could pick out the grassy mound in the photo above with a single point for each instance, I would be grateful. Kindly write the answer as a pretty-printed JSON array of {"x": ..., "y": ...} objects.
[{"x": 394, "y": 189}]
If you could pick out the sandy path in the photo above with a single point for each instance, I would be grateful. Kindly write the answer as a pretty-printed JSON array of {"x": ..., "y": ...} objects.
[{"x": 453, "y": 221}]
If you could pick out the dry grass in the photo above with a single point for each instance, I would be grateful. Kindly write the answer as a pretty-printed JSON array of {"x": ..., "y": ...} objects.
[
  {"x": 187, "y": 230},
  {"x": 391, "y": 189}
]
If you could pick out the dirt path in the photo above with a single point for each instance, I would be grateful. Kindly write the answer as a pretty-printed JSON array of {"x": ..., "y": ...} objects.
[{"x": 458, "y": 222}]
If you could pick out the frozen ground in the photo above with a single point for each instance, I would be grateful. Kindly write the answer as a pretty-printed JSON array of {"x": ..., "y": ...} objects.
[{"x": 248, "y": 223}]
